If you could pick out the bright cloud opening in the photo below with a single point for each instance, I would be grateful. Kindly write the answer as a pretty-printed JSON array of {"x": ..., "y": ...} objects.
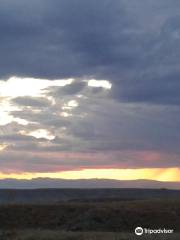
[
  {"x": 40, "y": 133},
  {"x": 71, "y": 104},
  {"x": 99, "y": 83},
  {"x": 19, "y": 87}
]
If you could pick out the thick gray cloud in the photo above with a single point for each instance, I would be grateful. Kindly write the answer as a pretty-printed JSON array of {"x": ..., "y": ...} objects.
[
  {"x": 133, "y": 44},
  {"x": 99, "y": 132},
  {"x": 59, "y": 38},
  {"x": 32, "y": 102}
]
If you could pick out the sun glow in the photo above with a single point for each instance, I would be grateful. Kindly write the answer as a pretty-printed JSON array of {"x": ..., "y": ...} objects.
[
  {"x": 159, "y": 174},
  {"x": 2, "y": 147}
]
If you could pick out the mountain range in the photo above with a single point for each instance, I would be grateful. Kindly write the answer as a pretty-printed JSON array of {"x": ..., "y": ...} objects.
[{"x": 38, "y": 183}]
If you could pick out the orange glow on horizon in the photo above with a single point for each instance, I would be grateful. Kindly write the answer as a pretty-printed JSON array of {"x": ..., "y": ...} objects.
[{"x": 159, "y": 174}]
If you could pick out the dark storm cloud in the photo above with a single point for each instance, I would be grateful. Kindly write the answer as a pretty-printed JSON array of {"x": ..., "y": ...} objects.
[
  {"x": 134, "y": 45},
  {"x": 58, "y": 38},
  {"x": 158, "y": 82}
]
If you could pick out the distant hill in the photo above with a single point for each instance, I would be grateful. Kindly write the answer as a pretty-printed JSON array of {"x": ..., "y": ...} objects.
[
  {"x": 53, "y": 196},
  {"x": 85, "y": 183},
  {"x": 55, "y": 191}
]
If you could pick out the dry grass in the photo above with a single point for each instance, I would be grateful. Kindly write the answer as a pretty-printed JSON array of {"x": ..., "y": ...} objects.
[
  {"x": 89, "y": 221},
  {"x": 93, "y": 217},
  {"x": 60, "y": 235}
]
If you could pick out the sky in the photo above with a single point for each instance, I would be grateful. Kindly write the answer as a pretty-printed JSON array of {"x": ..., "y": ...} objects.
[{"x": 90, "y": 89}]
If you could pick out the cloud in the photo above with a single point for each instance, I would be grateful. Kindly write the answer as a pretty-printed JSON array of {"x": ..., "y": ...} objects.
[
  {"x": 134, "y": 45},
  {"x": 31, "y": 102},
  {"x": 114, "y": 40},
  {"x": 96, "y": 132},
  {"x": 97, "y": 76}
]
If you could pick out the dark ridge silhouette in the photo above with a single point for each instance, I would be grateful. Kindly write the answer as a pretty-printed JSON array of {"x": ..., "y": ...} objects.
[
  {"x": 44, "y": 196},
  {"x": 85, "y": 183}
]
